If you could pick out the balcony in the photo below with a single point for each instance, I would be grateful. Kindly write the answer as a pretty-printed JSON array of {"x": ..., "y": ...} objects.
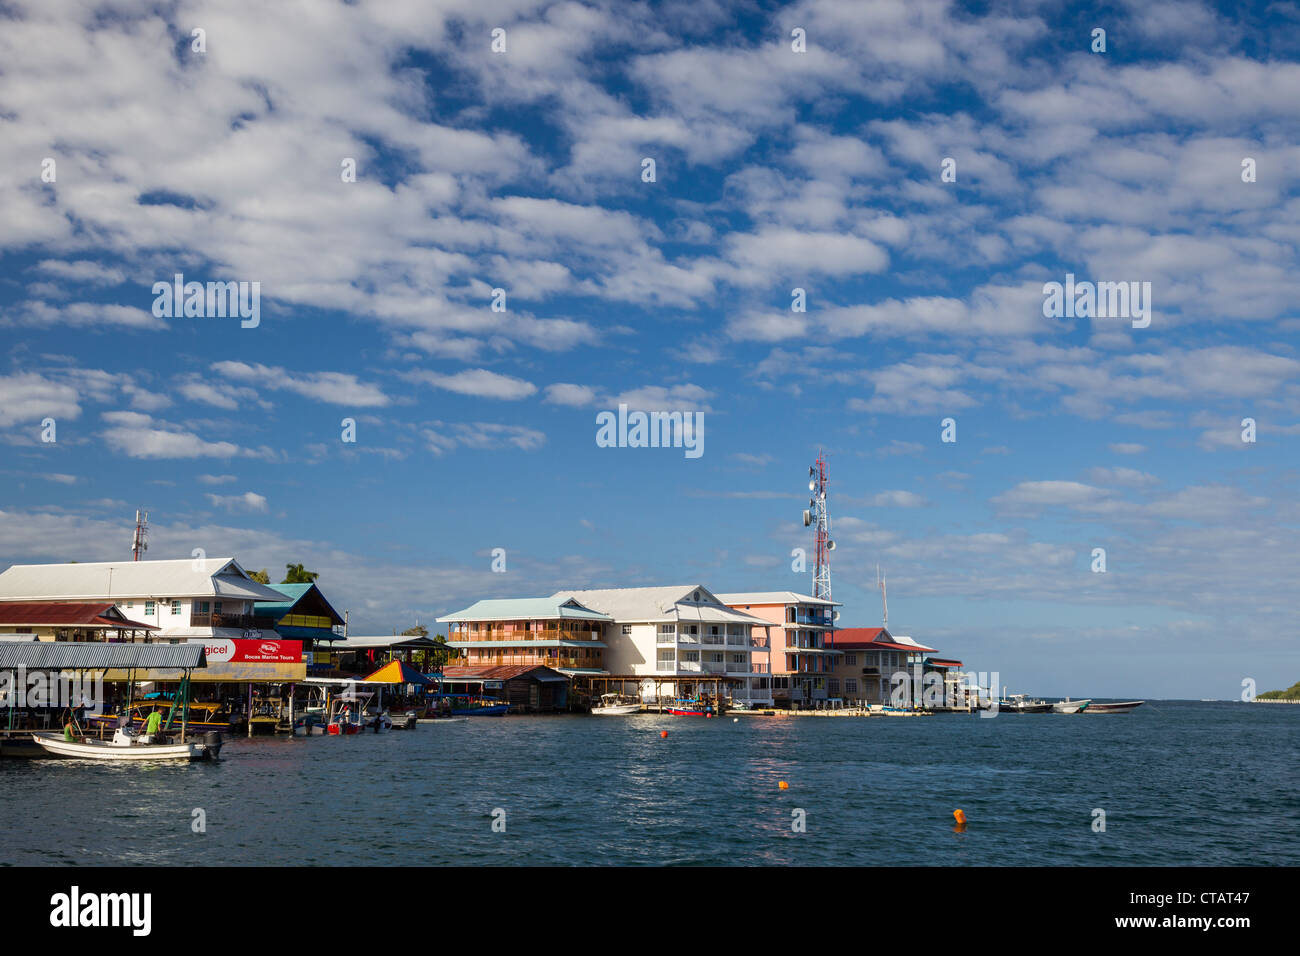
[
  {"x": 242, "y": 621},
  {"x": 496, "y": 634},
  {"x": 690, "y": 667}
]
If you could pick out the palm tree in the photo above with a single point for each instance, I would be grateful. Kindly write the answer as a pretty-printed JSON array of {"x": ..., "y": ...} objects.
[
  {"x": 261, "y": 577},
  {"x": 298, "y": 574}
]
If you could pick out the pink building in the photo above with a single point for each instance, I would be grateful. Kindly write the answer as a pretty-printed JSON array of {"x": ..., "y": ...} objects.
[{"x": 796, "y": 656}]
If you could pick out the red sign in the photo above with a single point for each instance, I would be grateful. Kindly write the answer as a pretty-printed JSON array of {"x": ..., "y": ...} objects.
[{"x": 221, "y": 650}]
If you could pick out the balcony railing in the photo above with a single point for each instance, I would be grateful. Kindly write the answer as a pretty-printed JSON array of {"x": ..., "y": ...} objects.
[
  {"x": 242, "y": 621},
  {"x": 522, "y": 635}
]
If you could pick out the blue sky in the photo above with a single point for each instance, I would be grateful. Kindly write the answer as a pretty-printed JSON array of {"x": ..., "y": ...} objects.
[{"x": 775, "y": 170}]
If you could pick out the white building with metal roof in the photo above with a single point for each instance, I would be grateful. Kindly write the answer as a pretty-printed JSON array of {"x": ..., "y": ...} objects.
[
  {"x": 675, "y": 631},
  {"x": 187, "y": 599},
  {"x": 556, "y": 632}
]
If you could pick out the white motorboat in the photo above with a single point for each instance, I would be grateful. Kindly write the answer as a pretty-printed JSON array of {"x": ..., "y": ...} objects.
[
  {"x": 1122, "y": 707},
  {"x": 125, "y": 745},
  {"x": 1068, "y": 706},
  {"x": 616, "y": 705}
]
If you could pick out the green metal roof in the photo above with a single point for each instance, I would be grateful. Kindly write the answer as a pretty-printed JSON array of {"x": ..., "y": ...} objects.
[
  {"x": 293, "y": 593},
  {"x": 526, "y": 609}
]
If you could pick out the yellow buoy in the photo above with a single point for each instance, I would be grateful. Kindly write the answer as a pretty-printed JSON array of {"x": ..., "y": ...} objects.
[{"x": 783, "y": 785}]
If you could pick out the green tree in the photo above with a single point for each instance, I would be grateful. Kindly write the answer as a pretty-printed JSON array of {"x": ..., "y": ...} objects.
[
  {"x": 261, "y": 577},
  {"x": 418, "y": 631},
  {"x": 298, "y": 574}
]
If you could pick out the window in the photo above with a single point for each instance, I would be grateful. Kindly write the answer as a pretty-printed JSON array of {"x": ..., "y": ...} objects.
[
  {"x": 216, "y": 607},
  {"x": 176, "y": 607},
  {"x": 696, "y": 599},
  {"x": 851, "y": 685},
  {"x": 833, "y": 687},
  {"x": 627, "y": 628},
  {"x": 148, "y": 608},
  {"x": 130, "y": 604},
  {"x": 850, "y": 658},
  {"x": 715, "y": 657},
  {"x": 667, "y": 628}
]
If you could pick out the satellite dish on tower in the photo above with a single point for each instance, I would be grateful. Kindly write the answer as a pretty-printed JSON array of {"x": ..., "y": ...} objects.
[
  {"x": 830, "y": 545},
  {"x": 812, "y": 486},
  {"x": 836, "y": 616}
]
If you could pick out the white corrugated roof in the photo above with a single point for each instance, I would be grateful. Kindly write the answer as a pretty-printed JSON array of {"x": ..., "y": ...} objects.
[
  {"x": 113, "y": 580},
  {"x": 772, "y": 597},
  {"x": 671, "y": 603}
]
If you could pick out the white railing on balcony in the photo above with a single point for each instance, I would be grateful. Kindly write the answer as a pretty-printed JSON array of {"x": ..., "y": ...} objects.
[{"x": 690, "y": 667}]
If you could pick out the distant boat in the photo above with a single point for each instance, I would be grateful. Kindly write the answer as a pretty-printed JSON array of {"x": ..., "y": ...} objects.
[
  {"x": 616, "y": 705},
  {"x": 690, "y": 707},
  {"x": 1120, "y": 708},
  {"x": 1018, "y": 704},
  {"x": 1068, "y": 706}
]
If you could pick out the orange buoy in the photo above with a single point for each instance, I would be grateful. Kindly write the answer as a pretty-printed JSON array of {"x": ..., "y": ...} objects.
[
  {"x": 959, "y": 816},
  {"x": 663, "y": 733},
  {"x": 783, "y": 785}
]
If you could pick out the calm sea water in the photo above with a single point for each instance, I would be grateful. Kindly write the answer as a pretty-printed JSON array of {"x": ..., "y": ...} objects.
[{"x": 1180, "y": 782}]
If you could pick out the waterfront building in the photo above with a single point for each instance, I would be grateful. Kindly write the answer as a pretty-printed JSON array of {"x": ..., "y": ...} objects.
[
  {"x": 304, "y": 615},
  {"x": 676, "y": 639},
  {"x": 799, "y": 657},
  {"x": 529, "y": 688},
  {"x": 557, "y": 632},
  {"x": 356, "y": 655},
  {"x": 68, "y": 621},
  {"x": 186, "y": 599},
  {"x": 869, "y": 662}
]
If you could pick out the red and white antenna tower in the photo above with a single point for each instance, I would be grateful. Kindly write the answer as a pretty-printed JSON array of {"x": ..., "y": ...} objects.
[
  {"x": 140, "y": 543},
  {"x": 817, "y": 515}
]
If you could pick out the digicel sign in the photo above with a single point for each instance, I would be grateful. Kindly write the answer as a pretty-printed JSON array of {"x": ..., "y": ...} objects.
[{"x": 227, "y": 651}]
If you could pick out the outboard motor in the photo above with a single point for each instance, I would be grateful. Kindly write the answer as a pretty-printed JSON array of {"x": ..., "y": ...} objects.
[{"x": 212, "y": 740}]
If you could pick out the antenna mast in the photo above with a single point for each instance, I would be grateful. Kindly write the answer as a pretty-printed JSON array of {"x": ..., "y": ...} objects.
[
  {"x": 140, "y": 543},
  {"x": 884, "y": 599},
  {"x": 817, "y": 516}
]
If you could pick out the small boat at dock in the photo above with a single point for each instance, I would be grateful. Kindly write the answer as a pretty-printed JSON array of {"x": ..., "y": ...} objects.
[
  {"x": 691, "y": 707},
  {"x": 616, "y": 705},
  {"x": 125, "y": 745},
  {"x": 1121, "y": 707},
  {"x": 1068, "y": 706},
  {"x": 1019, "y": 704}
]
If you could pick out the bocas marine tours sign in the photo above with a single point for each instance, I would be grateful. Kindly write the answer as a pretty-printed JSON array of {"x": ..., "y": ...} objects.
[{"x": 236, "y": 659}]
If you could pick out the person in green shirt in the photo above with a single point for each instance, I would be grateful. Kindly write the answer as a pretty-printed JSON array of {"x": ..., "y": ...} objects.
[{"x": 153, "y": 724}]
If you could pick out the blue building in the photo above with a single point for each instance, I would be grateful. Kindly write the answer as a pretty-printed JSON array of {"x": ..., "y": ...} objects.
[{"x": 304, "y": 615}]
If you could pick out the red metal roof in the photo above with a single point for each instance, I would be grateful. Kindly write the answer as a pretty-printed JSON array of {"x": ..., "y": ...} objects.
[
  {"x": 58, "y": 614},
  {"x": 855, "y": 634},
  {"x": 943, "y": 662},
  {"x": 872, "y": 639},
  {"x": 492, "y": 671}
]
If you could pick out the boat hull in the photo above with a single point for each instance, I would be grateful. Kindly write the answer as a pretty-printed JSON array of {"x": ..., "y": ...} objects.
[
  {"x": 1069, "y": 706},
  {"x": 617, "y": 710},
  {"x": 55, "y": 745},
  {"x": 1120, "y": 708}
]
